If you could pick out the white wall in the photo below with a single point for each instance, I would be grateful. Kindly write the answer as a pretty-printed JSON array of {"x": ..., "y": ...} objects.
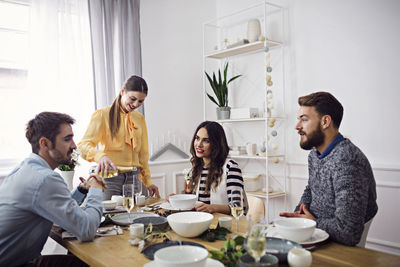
[
  {"x": 171, "y": 34},
  {"x": 350, "y": 48}
]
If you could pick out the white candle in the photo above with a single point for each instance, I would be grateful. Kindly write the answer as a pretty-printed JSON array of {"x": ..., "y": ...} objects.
[{"x": 137, "y": 230}]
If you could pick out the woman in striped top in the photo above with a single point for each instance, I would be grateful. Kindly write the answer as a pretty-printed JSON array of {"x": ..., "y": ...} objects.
[{"x": 216, "y": 180}]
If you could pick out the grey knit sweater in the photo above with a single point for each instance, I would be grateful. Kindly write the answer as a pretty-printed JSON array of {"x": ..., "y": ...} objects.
[{"x": 341, "y": 192}]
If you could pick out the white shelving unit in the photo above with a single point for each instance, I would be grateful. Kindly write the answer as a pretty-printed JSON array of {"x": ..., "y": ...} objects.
[{"x": 261, "y": 64}]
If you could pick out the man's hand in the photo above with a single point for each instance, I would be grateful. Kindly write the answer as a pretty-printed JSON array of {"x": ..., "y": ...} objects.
[
  {"x": 303, "y": 212},
  {"x": 93, "y": 181},
  {"x": 153, "y": 190},
  {"x": 104, "y": 165},
  {"x": 170, "y": 195}
]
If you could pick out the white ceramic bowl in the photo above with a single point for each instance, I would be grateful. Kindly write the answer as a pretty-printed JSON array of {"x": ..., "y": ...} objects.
[
  {"x": 299, "y": 257},
  {"x": 191, "y": 223},
  {"x": 109, "y": 204},
  {"x": 118, "y": 199},
  {"x": 183, "y": 201},
  {"x": 181, "y": 256},
  {"x": 295, "y": 229}
]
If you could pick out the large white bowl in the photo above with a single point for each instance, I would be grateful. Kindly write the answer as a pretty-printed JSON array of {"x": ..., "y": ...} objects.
[
  {"x": 183, "y": 201},
  {"x": 295, "y": 229},
  {"x": 181, "y": 256},
  {"x": 191, "y": 223}
]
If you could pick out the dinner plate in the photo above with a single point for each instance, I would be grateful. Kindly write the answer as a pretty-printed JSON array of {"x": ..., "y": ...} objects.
[
  {"x": 158, "y": 223},
  {"x": 150, "y": 250},
  {"x": 209, "y": 263},
  {"x": 167, "y": 206},
  {"x": 118, "y": 209},
  {"x": 318, "y": 236},
  {"x": 279, "y": 247},
  {"x": 123, "y": 218}
]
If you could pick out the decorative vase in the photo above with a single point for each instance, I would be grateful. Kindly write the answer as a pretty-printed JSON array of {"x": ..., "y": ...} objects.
[
  {"x": 223, "y": 113},
  {"x": 68, "y": 177},
  {"x": 253, "y": 30}
]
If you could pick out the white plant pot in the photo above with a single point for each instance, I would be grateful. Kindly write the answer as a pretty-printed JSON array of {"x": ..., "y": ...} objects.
[{"x": 68, "y": 177}]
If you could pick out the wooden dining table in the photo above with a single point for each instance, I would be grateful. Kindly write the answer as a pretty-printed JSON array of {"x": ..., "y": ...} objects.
[{"x": 108, "y": 251}]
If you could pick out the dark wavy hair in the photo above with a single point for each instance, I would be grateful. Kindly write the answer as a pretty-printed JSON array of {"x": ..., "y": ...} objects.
[
  {"x": 134, "y": 83},
  {"x": 45, "y": 124},
  {"x": 325, "y": 104},
  {"x": 219, "y": 153}
]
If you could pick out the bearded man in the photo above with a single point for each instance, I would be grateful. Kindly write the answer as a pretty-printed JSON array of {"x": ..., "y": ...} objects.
[
  {"x": 341, "y": 191},
  {"x": 33, "y": 197}
]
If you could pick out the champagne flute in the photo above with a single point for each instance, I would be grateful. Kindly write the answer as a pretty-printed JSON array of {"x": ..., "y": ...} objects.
[
  {"x": 128, "y": 191},
  {"x": 256, "y": 242},
  {"x": 237, "y": 207}
]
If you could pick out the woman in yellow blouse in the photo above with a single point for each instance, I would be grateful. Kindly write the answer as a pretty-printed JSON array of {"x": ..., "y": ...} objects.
[{"x": 122, "y": 134}]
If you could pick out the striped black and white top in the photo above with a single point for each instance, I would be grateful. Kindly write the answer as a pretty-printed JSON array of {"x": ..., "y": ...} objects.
[{"x": 234, "y": 185}]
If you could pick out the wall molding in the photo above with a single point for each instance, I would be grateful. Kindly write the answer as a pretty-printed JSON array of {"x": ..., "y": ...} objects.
[
  {"x": 160, "y": 176},
  {"x": 385, "y": 243},
  {"x": 175, "y": 180}
]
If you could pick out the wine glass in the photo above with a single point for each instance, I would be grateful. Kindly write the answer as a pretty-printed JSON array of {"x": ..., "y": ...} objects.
[
  {"x": 237, "y": 207},
  {"x": 256, "y": 242},
  {"x": 128, "y": 191}
]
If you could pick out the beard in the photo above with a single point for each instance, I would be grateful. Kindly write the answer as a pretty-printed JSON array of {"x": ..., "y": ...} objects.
[
  {"x": 58, "y": 157},
  {"x": 314, "y": 139}
]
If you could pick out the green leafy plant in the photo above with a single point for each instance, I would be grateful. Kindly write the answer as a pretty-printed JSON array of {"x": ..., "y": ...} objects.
[
  {"x": 218, "y": 233},
  {"x": 230, "y": 253},
  {"x": 71, "y": 166},
  {"x": 220, "y": 87}
]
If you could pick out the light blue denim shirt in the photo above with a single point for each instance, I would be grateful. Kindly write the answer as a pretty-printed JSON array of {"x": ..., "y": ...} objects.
[{"x": 32, "y": 198}]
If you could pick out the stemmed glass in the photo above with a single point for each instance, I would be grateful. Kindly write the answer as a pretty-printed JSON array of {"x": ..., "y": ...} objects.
[
  {"x": 237, "y": 207},
  {"x": 256, "y": 242},
  {"x": 128, "y": 191}
]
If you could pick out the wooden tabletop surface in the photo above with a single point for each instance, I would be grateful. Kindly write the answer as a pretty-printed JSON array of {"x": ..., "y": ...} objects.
[{"x": 116, "y": 250}]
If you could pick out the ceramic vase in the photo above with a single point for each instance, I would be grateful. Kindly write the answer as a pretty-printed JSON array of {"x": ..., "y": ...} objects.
[
  {"x": 68, "y": 177},
  {"x": 253, "y": 30}
]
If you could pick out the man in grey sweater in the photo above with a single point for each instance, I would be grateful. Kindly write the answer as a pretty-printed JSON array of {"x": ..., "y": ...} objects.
[{"x": 341, "y": 191}]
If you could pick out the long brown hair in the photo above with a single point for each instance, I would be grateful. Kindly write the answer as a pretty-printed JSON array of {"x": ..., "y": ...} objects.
[
  {"x": 134, "y": 83},
  {"x": 219, "y": 153}
]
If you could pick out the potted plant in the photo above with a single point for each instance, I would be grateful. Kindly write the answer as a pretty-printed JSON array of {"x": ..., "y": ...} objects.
[
  {"x": 67, "y": 171},
  {"x": 220, "y": 88}
]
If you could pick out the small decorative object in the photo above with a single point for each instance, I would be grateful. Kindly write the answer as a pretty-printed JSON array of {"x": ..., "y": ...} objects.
[
  {"x": 274, "y": 146},
  {"x": 267, "y": 64},
  {"x": 274, "y": 133},
  {"x": 238, "y": 43},
  {"x": 266, "y": 49},
  {"x": 276, "y": 160},
  {"x": 269, "y": 83},
  {"x": 253, "y": 29},
  {"x": 261, "y": 38},
  {"x": 67, "y": 171},
  {"x": 267, "y": 55},
  {"x": 216, "y": 47},
  {"x": 220, "y": 89},
  {"x": 269, "y": 95},
  {"x": 271, "y": 107},
  {"x": 269, "y": 69},
  {"x": 268, "y": 77}
]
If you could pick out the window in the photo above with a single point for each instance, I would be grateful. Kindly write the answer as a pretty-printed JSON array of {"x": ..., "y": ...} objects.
[{"x": 45, "y": 65}]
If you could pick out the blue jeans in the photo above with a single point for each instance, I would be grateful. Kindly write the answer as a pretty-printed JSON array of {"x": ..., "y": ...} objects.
[{"x": 114, "y": 185}]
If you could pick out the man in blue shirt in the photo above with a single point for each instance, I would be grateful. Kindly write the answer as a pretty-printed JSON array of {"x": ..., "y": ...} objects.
[
  {"x": 33, "y": 197},
  {"x": 341, "y": 191}
]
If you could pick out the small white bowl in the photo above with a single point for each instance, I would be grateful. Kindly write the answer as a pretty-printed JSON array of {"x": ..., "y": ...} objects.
[
  {"x": 118, "y": 199},
  {"x": 299, "y": 257},
  {"x": 109, "y": 204},
  {"x": 295, "y": 229},
  {"x": 180, "y": 256},
  {"x": 183, "y": 201},
  {"x": 190, "y": 224}
]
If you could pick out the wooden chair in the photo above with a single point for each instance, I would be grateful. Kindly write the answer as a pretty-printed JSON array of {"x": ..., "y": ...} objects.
[{"x": 256, "y": 208}]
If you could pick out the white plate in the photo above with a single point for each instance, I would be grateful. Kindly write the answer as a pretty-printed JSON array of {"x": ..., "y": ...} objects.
[
  {"x": 318, "y": 236},
  {"x": 167, "y": 206},
  {"x": 123, "y": 218},
  {"x": 209, "y": 263}
]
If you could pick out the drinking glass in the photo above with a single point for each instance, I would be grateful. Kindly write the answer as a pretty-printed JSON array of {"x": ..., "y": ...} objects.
[
  {"x": 256, "y": 242},
  {"x": 128, "y": 191},
  {"x": 237, "y": 207}
]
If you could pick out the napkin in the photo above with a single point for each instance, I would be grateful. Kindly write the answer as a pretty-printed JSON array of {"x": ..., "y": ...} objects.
[{"x": 102, "y": 231}]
